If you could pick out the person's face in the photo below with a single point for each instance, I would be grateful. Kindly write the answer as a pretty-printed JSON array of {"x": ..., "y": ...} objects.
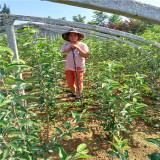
[{"x": 73, "y": 37}]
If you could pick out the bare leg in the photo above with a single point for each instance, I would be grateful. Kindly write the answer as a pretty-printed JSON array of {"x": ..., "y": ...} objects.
[
  {"x": 73, "y": 89},
  {"x": 80, "y": 77},
  {"x": 77, "y": 91},
  {"x": 70, "y": 80}
]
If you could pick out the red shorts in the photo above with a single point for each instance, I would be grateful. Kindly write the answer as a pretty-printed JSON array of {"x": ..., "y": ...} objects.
[{"x": 71, "y": 78}]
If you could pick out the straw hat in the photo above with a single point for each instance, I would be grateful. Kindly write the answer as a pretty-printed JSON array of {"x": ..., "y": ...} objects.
[{"x": 65, "y": 35}]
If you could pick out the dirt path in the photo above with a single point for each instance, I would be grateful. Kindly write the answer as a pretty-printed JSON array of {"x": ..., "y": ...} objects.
[
  {"x": 97, "y": 143},
  {"x": 96, "y": 139}
]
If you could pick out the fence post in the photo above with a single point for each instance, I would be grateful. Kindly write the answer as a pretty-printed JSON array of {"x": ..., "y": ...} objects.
[
  {"x": 13, "y": 45},
  {"x": 11, "y": 37}
]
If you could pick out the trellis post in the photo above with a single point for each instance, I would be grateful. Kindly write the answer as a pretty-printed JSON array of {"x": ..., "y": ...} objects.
[
  {"x": 13, "y": 45},
  {"x": 11, "y": 37}
]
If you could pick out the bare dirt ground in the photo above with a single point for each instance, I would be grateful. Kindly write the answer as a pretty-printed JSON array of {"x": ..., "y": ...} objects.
[{"x": 96, "y": 139}]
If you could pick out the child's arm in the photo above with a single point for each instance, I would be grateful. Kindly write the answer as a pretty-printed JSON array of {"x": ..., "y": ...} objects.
[
  {"x": 81, "y": 51},
  {"x": 66, "y": 51}
]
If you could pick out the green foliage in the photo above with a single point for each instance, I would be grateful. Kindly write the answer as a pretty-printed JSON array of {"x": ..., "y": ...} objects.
[
  {"x": 99, "y": 18},
  {"x": 155, "y": 155},
  {"x": 69, "y": 128},
  {"x": 18, "y": 132},
  {"x": 79, "y": 18},
  {"x": 155, "y": 141},
  {"x": 114, "y": 18},
  {"x": 118, "y": 77},
  {"x": 119, "y": 149},
  {"x": 4, "y": 10},
  {"x": 81, "y": 152},
  {"x": 63, "y": 18}
]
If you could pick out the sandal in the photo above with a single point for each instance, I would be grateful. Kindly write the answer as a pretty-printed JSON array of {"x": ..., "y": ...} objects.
[{"x": 71, "y": 95}]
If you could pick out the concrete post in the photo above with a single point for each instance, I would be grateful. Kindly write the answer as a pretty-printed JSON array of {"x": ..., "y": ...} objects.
[
  {"x": 50, "y": 36},
  {"x": 40, "y": 33},
  {"x": 44, "y": 33},
  {"x": 11, "y": 37},
  {"x": 13, "y": 45},
  {"x": 35, "y": 36}
]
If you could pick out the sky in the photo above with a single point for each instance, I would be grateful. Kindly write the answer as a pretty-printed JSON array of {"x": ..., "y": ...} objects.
[{"x": 54, "y": 10}]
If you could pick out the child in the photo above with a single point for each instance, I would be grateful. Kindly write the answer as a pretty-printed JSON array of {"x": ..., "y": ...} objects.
[{"x": 81, "y": 52}]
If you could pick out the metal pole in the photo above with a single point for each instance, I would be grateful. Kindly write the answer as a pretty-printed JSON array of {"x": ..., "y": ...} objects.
[{"x": 77, "y": 76}]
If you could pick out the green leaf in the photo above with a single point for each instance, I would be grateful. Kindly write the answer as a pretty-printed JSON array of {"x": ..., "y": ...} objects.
[
  {"x": 126, "y": 147},
  {"x": 123, "y": 143},
  {"x": 34, "y": 30},
  {"x": 125, "y": 153},
  {"x": 84, "y": 156},
  {"x": 21, "y": 31},
  {"x": 18, "y": 61},
  {"x": 62, "y": 153},
  {"x": 3, "y": 123},
  {"x": 104, "y": 85},
  {"x": 154, "y": 156},
  {"x": 32, "y": 105},
  {"x": 21, "y": 70},
  {"x": 129, "y": 75},
  {"x": 2, "y": 61},
  {"x": 25, "y": 97},
  {"x": 7, "y": 49},
  {"x": 90, "y": 114},
  {"x": 66, "y": 134},
  {"x": 78, "y": 129},
  {"x": 74, "y": 114},
  {"x": 155, "y": 141},
  {"x": 14, "y": 80},
  {"x": 4, "y": 110},
  {"x": 5, "y": 154},
  {"x": 117, "y": 139},
  {"x": 143, "y": 87},
  {"x": 66, "y": 124},
  {"x": 41, "y": 39},
  {"x": 84, "y": 111},
  {"x": 59, "y": 131},
  {"x": 115, "y": 146},
  {"x": 113, "y": 154},
  {"x": 139, "y": 105},
  {"x": 2, "y": 117},
  {"x": 13, "y": 145},
  {"x": 81, "y": 147},
  {"x": 79, "y": 121},
  {"x": 22, "y": 109},
  {"x": 134, "y": 100},
  {"x": 5, "y": 102},
  {"x": 128, "y": 105},
  {"x": 115, "y": 84},
  {"x": 15, "y": 132},
  {"x": 14, "y": 66},
  {"x": 120, "y": 65},
  {"x": 28, "y": 123}
]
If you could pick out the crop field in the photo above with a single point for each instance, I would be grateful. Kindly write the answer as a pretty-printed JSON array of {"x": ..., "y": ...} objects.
[{"x": 119, "y": 118}]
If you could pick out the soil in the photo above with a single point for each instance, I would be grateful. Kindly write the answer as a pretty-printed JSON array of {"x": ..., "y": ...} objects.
[{"x": 96, "y": 139}]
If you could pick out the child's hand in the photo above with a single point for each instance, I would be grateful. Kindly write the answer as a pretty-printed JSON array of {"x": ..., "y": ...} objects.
[{"x": 74, "y": 46}]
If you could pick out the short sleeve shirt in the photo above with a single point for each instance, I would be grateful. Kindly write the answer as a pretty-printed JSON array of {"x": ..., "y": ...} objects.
[{"x": 80, "y": 61}]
